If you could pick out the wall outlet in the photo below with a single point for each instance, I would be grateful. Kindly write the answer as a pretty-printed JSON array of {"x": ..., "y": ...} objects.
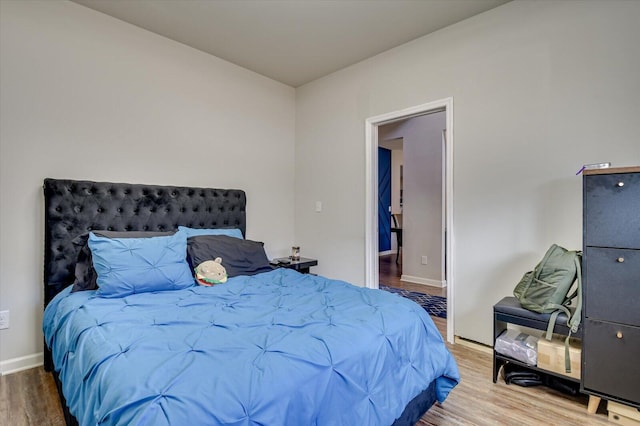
[
  {"x": 424, "y": 260},
  {"x": 4, "y": 320}
]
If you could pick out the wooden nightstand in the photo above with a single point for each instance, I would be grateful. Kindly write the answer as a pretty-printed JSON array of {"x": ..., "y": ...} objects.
[{"x": 302, "y": 265}]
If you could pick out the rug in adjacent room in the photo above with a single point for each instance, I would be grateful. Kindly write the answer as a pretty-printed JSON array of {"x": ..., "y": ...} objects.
[{"x": 434, "y": 305}]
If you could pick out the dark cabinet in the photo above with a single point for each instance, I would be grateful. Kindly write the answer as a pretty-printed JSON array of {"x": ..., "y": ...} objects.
[
  {"x": 611, "y": 209},
  {"x": 612, "y": 360},
  {"x": 611, "y": 285},
  {"x": 618, "y": 298}
]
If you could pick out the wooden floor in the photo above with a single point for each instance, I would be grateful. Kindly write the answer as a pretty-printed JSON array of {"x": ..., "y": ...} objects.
[{"x": 30, "y": 397}]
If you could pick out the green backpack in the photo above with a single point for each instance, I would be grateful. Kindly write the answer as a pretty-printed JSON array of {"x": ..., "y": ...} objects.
[{"x": 546, "y": 290}]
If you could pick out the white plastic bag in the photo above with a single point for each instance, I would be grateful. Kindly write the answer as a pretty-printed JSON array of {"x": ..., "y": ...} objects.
[{"x": 517, "y": 345}]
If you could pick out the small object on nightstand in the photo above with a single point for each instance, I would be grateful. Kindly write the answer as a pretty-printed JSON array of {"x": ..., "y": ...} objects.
[
  {"x": 295, "y": 253},
  {"x": 301, "y": 265}
]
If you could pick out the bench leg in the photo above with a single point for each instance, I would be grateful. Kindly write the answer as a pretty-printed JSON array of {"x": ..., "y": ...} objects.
[
  {"x": 496, "y": 367},
  {"x": 594, "y": 402}
]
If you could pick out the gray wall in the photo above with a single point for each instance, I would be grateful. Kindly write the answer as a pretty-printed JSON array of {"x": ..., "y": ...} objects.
[
  {"x": 539, "y": 89},
  {"x": 86, "y": 96},
  {"x": 422, "y": 213}
]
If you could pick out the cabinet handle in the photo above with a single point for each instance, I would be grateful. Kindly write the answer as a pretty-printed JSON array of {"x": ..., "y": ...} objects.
[
  {"x": 620, "y": 259},
  {"x": 620, "y": 184},
  {"x": 619, "y": 334}
]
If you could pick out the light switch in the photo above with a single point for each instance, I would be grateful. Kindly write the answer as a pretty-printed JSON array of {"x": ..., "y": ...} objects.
[{"x": 318, "y": 206}]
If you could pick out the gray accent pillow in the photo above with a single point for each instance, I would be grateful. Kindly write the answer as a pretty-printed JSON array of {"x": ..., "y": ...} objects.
[{"x": 239, "y": 257}]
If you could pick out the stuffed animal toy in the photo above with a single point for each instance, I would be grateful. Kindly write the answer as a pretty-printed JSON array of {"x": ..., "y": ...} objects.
[{"x": 211, "y": 272}]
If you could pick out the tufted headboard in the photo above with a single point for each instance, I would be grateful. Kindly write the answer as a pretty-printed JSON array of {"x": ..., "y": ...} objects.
[{"x": 74, "y": 207}]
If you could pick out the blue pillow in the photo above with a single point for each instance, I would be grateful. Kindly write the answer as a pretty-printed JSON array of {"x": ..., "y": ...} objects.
[
  {"x": 137, "y": 265},
  {"x": 85, "y": 273},
  {"x": 195, "y": 232}
]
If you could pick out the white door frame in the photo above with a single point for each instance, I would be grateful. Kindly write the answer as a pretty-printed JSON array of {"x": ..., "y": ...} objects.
[{"x": 371, "y": 196}]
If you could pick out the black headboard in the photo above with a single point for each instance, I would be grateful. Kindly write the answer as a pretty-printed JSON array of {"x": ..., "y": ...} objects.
[{"x": 74, "y": 207}]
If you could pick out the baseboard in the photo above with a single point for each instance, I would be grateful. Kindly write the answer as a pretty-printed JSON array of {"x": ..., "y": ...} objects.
[
  {"x": 14, "y": 365},
  {"x": 386, "y": 253},
  {"x": 473, "y": 345},
  {"x": 424, "y": 281}
]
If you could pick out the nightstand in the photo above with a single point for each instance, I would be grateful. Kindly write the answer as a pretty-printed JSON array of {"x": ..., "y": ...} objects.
[{"x": 302, "y": 265}]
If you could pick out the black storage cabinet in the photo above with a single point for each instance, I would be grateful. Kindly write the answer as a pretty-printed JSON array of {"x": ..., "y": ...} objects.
[{"x": 611, "y": 285}]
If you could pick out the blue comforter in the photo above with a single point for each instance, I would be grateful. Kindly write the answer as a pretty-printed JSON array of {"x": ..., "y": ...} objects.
[{"x": 278, "y": 348}]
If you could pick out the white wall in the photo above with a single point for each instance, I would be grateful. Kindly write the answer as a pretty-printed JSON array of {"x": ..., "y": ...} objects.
[
  {"x": 422, "y": 212},
  {"x": 86, "y": 96},
  {"x": 539, "y": 89}
]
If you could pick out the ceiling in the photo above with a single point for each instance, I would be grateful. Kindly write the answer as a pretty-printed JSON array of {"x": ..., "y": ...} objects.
[{"x": 292, "y": 41}]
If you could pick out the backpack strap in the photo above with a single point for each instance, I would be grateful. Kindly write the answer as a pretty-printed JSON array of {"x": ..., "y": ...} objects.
[
  {"x": 567, "y": 356},
  {"x": 552, "y": 323},
  {"x": 573, "y": 321},
  {"x": 554, "y": 316}
]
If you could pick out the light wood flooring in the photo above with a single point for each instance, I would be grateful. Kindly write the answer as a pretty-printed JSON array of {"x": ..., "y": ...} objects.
[{"x": 30, "y": 398}]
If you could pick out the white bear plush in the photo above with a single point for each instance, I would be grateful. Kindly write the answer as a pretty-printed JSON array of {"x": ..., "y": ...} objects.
[{"x": 211, "y": 272}]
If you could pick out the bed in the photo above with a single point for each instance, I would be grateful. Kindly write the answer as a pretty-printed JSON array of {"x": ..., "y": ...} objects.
[{"x": 267, "y": 347}]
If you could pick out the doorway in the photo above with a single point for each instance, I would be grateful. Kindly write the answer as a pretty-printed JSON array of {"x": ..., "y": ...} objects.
[{"x": 371, "y": 188}]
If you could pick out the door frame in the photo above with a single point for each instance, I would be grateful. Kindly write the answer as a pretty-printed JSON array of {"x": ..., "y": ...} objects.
[{"x": 371, "y": 195}]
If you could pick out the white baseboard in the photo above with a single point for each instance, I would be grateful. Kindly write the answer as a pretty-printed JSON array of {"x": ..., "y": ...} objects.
[
  {"x": 385, "y": 253},
  {"x": 473, "y": 345},
  {"x": 14, "y": 365},
  {"x": 425, "y": 281}
]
